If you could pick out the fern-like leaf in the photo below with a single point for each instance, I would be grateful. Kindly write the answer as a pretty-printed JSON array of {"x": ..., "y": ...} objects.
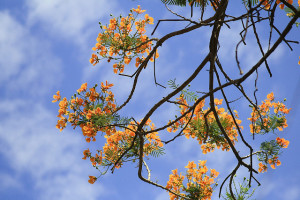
[{"x": 202, "y": 3}]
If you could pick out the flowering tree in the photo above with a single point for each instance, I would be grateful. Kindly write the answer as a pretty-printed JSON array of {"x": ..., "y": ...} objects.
[{"x": 211, "y": 121}]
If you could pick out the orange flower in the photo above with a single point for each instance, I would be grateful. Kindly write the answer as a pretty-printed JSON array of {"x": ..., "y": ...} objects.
[
  {"x": 191, "y": 165},
  {"x": 127, "y": 60},
  {"x": 266, "y": 4},
  {"x": 56, "y": 97},
  {"x": 82, "y": 88},
  {"x": 270, "y": 96},
  {"x": 274, "y": 161},
  {"x": 169, "y": 129},
  {"x": 214, "y": 173},
  {"x": 262, "y": 168},
  {"x": 97, "y": 47},
  {"x": 138, "y": 10},
  {"x": 94, "y": 60},
  {"x": 197, "y": 178},
  {"x": 93, "y": 95},
  {"x": 149, "y": 20},
  {"x": 63, "y": 104},
  {"x": 106, "y": 87},
  {"x": 218, "y": 102},
  {"x": 138, "y": 61},
  {"x": 282, "y": 142},
  {"x": 86, "y": 154},
  {"x": 202, "y": 163},
  {"x": 61, "y": 124},
  {"x": 92, "y": 179},
  {"x": 281, "y": 6}
]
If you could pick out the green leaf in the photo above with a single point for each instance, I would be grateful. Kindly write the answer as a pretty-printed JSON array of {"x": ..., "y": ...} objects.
[
  {"x": 183, "y": 3},
  {"x": 188, "y": 95}
]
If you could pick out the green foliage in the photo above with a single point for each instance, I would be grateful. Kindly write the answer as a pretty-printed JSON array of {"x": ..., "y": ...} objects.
[
  {"x": 100, "y": 120},
  {"x": 253, "y": 2},
  {"x": 274, "y": 122},
  {"x": 243, "y": 193},
  {"x": 183, "y": 3},
  {"x": 134, "y": 151},
  {"x": 290, "y": 13},
  {"x": 190, "y": 96},
  {"x": 156, "y": 152},
  {"x": 211, "y": 133},
  {"x": 175, "y": 2},
  {"x": 267, "y": 149},
  {"x": 194, "y": 191}
]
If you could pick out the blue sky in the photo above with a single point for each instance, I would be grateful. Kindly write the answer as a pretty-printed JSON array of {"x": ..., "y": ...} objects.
[{"x": 45, "y": 46}]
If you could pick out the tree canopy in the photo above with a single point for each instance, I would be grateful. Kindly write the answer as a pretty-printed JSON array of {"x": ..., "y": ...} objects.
[{"x": 213, "y": 122}]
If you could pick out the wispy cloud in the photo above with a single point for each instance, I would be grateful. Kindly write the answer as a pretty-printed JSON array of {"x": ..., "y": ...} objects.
[
  {"x": 292, "y": 192},
  {"x": 9, "y": 181},
  {"x": 71, "y": 19},
  {"x": 52, "y": 160},
  {"x": 28, "y": 65},
  {"x": 162, "y": 196}
]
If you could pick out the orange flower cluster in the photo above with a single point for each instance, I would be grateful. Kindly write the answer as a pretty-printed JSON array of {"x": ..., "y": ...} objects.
[
  {"x": 93, "y": 112},
  {"x": 269, "y": 117},
  {"x": 63, "y": 106},
  {"x": 86, "y": 109},
  {"x": 119, "y": 42},
  {"x": 207, "y": 132},
  {"x": 273, "y": 152},
  {"x": 273, "y": 161},
  {"x": 175, "y": 184},
  {"x": 282, "y": 142},
  {"x": 263, "y": 121},
  {"x": 199, "y": 184},
  {"x": 117, "y": 142}
]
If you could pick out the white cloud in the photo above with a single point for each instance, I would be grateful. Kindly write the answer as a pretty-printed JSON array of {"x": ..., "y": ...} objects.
[
  {"x": 69, "y": 19},
  {"x": 293, "y": 193},
  {"x": 10, "y": 48},
  {"x": 162, "y": 196},
  {"x": 32, "y": 146},
  {"x": 28, "y": 65},
  {"x": 8, "y": 181}
]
